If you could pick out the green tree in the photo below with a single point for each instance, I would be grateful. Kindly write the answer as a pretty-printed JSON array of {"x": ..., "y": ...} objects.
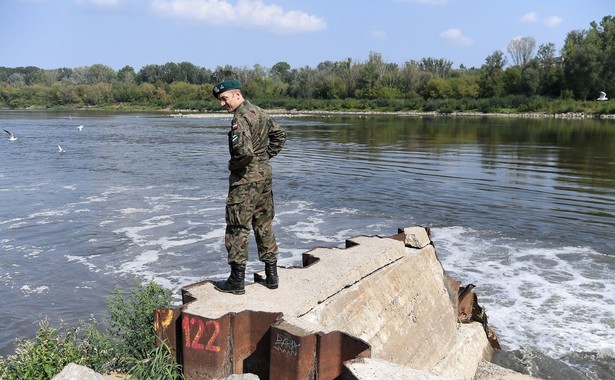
[
  {"x": 370, "y": 75},
  {"x": 125, "y": 92},
  {"x": 490, "y": 82},
  {"x": 441, "y": 68},
  {"x": 171, "y": 73},
  {"x": 65, "y": 95},
  {"x": 304, "y": 83},
  {"x": 530, "y": 79},
  {"x": 510, "y": 80},
  {"x": 606, "y": 34},
  {"x": 413, "y": 79},
  {"x": 194, "y": 74},
  {"x": 127, "y": 75},
  {"x": 437, "y": 88},
  {"x": 464, "y": 86},
  {"x": 550, "y": 70},
  {"x": 281, "y": 72},
  {"x": 30, "y": 74},
  {"x": 589, "y": 56},
  {"x": 224, "y": 73},
  {"x": 150, "y": 74},
  {"x": 16, "y": 80},
  {"x": 99, "y": 73}
]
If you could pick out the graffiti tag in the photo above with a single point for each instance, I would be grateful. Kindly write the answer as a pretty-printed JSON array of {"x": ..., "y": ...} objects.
[{"x": 286, "y": 345}]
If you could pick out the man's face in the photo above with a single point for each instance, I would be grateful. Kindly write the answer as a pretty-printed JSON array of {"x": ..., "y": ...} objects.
[{"x": 230, "y": 100}]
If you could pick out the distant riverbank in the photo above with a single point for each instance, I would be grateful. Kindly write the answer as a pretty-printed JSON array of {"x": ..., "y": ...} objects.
[{"x": 297, "y": 113}]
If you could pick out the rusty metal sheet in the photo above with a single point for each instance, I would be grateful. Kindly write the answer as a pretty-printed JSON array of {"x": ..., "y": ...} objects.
[
  {"x": 206, "y": 347},
  {"x": 166, "y": 328},
  {"x": 334, "y": 349},
  {"x": 251, "y": 341},
  {"x": 401, "y": 236},
  {"x": 308, "y": 259},
  {"x": 293, "y": 354}
]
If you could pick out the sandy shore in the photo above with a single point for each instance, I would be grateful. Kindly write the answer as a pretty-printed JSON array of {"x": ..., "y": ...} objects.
[{"x": 293, "y": 113}]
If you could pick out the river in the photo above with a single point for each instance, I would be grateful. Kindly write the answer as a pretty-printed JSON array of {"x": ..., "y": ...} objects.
[{"x": 522, "y": 208}]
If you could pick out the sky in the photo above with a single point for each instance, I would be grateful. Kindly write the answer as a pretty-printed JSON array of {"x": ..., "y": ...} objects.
[{"x": 52, "y": 34}]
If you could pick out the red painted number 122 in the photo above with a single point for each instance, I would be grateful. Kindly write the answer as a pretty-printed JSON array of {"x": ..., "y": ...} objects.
[{"x": 210, "y": 325}]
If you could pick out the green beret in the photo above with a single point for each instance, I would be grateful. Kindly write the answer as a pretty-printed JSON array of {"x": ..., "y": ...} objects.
[{"x": 225, "y": 86}]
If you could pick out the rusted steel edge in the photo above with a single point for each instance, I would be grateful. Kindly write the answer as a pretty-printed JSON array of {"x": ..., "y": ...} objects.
[
  {"x": 249, "y": 342},
  {"x": 296, "y": 354},
  {"x": 254, "y": 342}
]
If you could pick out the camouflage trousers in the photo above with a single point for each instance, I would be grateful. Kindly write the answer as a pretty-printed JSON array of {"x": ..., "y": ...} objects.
[{"x": 250, "y": 205}]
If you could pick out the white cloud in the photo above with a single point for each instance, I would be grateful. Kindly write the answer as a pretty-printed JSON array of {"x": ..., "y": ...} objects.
[
  {"x": 379, "y": 34},
  {"x": 550, "y": 22},
  {"x": 246, "y": 13},
  {"x": 455, "y": 36},
  {"x": 530, "y": 17},
  {"x": 553, "y": 21}
]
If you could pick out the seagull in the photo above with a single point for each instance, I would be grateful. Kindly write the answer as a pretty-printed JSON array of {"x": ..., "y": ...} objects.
[
  {"x": 602, "y": 96},
  {"x": 80, "y": 127},
  {"x": 60, "y": 149},
  {"x": 12, "y": 137}
]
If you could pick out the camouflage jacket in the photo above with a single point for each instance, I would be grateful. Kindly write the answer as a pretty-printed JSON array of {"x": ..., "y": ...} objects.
[{"x": 254, "y": 138}]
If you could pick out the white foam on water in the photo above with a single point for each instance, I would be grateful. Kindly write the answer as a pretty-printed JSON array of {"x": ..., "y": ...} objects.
[
  {"x": 344, "y": 211},
  {"x": 215, "y": 233},
  {"x": 144, "y": 266},
  {"x": 135, "y": 233},
  {"x": 28, "y": 290},
  {"x": 85, "y": 260},
  {"x": 12, "y": 221},
  {"x": 294, "y": 207},
  {"x": 117, "y": 190},
  {"x": 33, "y": 252},
  {"x": 18, "y": 225},
  {"x": 558, "y": 299},
  {"x": 132, "y": 210},
  {"x": 138, "y": 264},
  {"x": 307, "y": 229},
  {"x": 292, "y": 260},
  {"x": 96, "y": 198},
  {"x": 47, "y": 214},
  {"x": 169, "y": 242}
]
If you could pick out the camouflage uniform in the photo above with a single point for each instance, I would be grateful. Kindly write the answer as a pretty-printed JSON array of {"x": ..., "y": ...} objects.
[{"x": 254, "y": 138}]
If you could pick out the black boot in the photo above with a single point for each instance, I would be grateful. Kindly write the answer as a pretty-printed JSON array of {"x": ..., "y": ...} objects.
[
  {"x": 234, "y": 282},
  {"x": 271, "y": 270}
]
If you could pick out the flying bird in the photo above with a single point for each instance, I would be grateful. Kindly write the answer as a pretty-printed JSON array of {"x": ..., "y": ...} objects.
[
  {"x": 12, "y": 137},
  {"x": 80, "y": 127},
  {"x": 60, "y": 149},
  {"x": 602, "y": 96}
]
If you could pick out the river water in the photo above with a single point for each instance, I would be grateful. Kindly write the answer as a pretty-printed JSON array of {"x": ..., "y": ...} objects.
[{"x": 522, "y": 208}]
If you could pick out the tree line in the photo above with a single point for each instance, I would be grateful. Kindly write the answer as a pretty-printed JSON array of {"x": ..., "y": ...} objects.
[{"x": 584, "y": 67}]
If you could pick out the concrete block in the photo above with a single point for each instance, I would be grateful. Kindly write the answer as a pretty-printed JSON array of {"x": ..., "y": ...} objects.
[{"x": 416, "y": 237}]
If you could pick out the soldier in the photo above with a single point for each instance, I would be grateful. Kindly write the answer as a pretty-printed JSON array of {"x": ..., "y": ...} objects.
[{"x": 254, "y": 138}]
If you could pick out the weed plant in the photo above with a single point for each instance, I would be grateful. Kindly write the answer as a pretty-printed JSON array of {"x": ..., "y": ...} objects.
[{"x": 128, "y": 345}]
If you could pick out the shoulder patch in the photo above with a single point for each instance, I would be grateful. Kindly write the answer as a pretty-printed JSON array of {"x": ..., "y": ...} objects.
[{"x": 234, "y": 127}]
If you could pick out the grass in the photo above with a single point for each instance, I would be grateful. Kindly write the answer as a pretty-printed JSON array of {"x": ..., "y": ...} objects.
[{"x": 127, "y": 346}]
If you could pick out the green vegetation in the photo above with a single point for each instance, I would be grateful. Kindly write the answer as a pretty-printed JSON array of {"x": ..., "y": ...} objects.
[
  {"x": 127, "y": 346},
  {"x": 535, "y": 82}
]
